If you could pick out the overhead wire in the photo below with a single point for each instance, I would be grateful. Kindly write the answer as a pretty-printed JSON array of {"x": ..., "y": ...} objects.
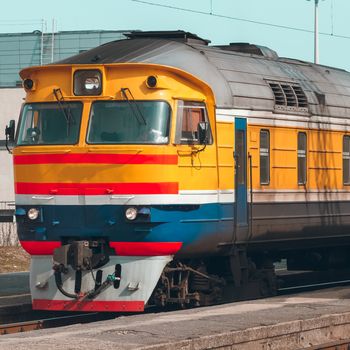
[{"x": 281, "y": 26}]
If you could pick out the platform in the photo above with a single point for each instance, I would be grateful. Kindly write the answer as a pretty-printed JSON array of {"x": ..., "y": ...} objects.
[
  {"x": 284, "y": 322},
  {"x": 14, "y": 283}
]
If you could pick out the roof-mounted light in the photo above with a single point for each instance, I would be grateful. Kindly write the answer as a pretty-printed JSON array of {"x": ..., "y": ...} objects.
[
  {"x": 87, "y": 82},
  {"x": 151, "y": 81},
  {"x": 29, "y": 84}
]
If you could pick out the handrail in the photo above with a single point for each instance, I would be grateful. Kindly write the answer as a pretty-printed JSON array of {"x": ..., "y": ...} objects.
[{"x": 250, "y": 219}]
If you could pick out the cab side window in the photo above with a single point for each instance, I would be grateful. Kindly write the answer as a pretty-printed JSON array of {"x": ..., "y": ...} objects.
[{"x": 189, "y": 115}]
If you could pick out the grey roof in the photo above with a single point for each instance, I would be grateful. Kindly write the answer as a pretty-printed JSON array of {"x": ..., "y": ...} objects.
[{"x": 238, "y": 79}]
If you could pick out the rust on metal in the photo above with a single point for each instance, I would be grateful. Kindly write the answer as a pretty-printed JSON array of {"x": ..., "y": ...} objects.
[
  {"x": 20, "y": 327},
  {"x": 54, "y": 322},
  {"x": 336, "y": 345}
]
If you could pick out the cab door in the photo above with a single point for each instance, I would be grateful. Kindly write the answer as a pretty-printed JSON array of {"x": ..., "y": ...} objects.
[{"x": 241, "y": 205}]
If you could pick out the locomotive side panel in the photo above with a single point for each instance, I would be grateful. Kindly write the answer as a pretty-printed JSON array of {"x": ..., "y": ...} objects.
[{"x": 313, "y": 209}]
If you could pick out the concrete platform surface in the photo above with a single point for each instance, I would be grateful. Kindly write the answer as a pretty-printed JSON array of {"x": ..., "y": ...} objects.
[
  {"x": 284, "y": 322},
  {"x": 14, "y": 283}
]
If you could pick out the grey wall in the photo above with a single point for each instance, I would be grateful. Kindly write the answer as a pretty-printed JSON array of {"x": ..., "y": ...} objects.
[
  {"x": 10, "y": 106},
  {"x": 20, "y": 50}
]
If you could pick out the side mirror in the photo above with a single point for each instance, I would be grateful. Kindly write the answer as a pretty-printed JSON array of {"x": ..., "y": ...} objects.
[
  {"x": 10, "y": 131},
  {"x": 203, "y": 132}
]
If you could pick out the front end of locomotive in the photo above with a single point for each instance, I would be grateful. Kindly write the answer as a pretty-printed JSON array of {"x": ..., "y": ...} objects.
[{"x": 105, "y": 173}]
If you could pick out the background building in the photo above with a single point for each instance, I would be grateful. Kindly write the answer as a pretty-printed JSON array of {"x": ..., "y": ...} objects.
[{"x": 20, "y": 50}]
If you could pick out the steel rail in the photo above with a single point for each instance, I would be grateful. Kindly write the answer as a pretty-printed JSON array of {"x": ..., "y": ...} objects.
[
  {"x": 311, "y": 287},
  {"x": 65, "y": 320},
  {"x": 334, "y": 345},
  {"x": 53, "y": 322}
]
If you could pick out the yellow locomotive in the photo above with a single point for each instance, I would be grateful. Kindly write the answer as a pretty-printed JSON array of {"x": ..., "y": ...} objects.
[{"x": 162, "y": 169}]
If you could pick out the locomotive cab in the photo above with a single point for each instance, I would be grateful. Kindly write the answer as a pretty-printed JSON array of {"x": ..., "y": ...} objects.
[{"x": 107, "y": 166}]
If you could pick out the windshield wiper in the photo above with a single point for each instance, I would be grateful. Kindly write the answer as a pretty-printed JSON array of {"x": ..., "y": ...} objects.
[
  {"x": 64, "y": 107},
  {"x": 132, "y": 105}
]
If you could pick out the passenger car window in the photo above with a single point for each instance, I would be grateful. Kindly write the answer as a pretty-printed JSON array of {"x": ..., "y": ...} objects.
[
  {"x": 302, "y": 160},
  {"x": 346, "y": 160},
  {"x": 264, "y": 157}
]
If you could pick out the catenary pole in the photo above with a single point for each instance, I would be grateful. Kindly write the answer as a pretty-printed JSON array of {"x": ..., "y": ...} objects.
[
  {"x": 316, "y": 48},
  {"x": 316, "y": 33}
]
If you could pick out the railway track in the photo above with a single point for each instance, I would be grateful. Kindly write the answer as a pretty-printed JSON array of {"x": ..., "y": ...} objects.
[
  {"x": 312, "y": 287},
  {"x": 336, "y": 345},
  {"x": 301, "y": 281},
  {"x": 290, "y": 283},
  {"x": 57, "y": 321}
]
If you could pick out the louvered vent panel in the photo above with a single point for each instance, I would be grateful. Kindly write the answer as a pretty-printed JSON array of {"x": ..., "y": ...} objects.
[
  {"x": 280, "y": 99},
  {"x": 301, "y": 97},
  {"x": 290, "y": 95}
]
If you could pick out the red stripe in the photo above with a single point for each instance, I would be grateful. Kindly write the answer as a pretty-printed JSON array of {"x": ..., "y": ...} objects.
[
  {"x": 95, "y": 305},
  {"x": 40, "y": 248},
  {"x": 121, "y": 248},
  {"x": 97, "y": 188},
  {"x": 79, "y": 158},
  {"x": 145, "y": 248}
]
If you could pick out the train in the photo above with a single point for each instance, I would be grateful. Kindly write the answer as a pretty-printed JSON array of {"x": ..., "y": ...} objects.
[{"x": 162, "y": 170}]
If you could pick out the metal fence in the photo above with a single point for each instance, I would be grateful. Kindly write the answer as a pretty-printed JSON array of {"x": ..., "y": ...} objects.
[{"x": 8, "y": 228}]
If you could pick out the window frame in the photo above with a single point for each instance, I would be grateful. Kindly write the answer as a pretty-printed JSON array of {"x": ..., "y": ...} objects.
[
  {"x": 130, "y": 143},
  {"x": 302, "y": 155},
  {"x": 76, "y": 81},
  {"x": 266, "y": 154},
  {"x": 347, "y": 158},
  {"x": 179, "y": 120},
  {"x": 18, "y": 128}
]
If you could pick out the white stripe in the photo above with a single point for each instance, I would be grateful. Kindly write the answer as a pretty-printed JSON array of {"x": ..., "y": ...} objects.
[
  {"x": 267, "y": 190},
  {"x": 188, "y": 197},
  {"x": 225, "y": 118},
  {"x": 300, "y": 196},
  {"x": 183, "y": 198},
  {"x": 284, "y": 120}
]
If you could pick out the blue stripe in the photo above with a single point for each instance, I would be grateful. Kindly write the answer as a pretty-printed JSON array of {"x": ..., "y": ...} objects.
[{"x": 166, "y": 223}]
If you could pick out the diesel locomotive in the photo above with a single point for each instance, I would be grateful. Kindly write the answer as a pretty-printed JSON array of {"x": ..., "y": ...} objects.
[{"x": 161, "y": 170}]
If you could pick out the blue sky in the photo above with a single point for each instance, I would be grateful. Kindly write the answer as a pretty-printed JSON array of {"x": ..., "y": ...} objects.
[{"x": 129, "y": 14}]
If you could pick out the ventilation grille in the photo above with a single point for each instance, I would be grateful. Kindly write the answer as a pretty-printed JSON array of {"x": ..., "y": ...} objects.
[{"x": 289, "y": 96}]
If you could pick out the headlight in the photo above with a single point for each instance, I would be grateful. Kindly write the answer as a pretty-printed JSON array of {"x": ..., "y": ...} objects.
[
  {"x": 151, "y": 81},
  {"x": 33, "y": 213},
  {"x": 92, "y": 83},
  {"x": 28, "y": 84},
  {"x": 87, "y": 82},
  {"x": 131, "y": 213}
]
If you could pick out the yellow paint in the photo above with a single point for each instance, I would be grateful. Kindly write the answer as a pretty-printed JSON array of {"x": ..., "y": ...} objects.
[
  {"x": 197, "y": 169},
  {"x": 225, "y": 146},
  {"x": 324, "y": 159}
]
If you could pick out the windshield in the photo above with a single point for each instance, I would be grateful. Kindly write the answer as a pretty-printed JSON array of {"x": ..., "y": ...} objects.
[
  {"x": 129, "y": 122},
  {"x": 50, "y": 124}
]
